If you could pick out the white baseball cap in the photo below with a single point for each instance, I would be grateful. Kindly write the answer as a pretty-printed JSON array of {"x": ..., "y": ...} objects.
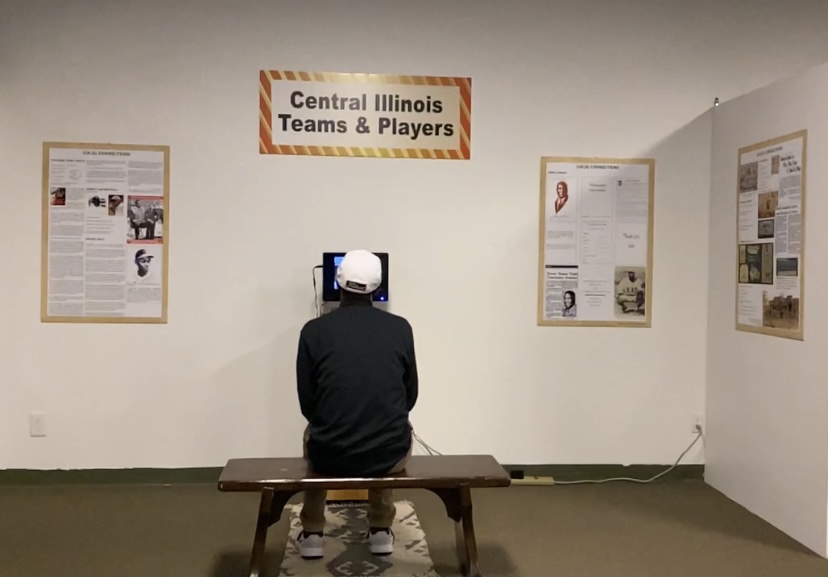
[{"x": 359, "y": 272}]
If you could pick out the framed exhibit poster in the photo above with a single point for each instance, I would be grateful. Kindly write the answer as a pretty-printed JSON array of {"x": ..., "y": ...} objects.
[
  {"x": 595, "y": 261},
  {"x": 105, "y": 233},
  {"x": 771, "y": 237}
]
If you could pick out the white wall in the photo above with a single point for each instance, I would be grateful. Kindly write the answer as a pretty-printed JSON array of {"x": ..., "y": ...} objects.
[
  {"x": 767, "y": 400},
  {"x": 585, "y": 77}
]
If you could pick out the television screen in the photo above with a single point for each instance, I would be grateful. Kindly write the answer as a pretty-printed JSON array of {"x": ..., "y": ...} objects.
[
  {"x": 330, "y": 288},
  {"x": 337, "y": 259}
]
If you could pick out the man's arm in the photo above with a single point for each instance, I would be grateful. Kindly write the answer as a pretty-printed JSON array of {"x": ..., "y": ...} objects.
[
  {"x": 306, "y": 387},
  {"x": 410, "y": 377}
]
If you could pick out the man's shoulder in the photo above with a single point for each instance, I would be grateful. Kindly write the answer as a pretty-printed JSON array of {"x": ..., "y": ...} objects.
[
  {"x": 310, "y": 327},
  {"x": 318, "y": 323},
  {"x": 394, "y": 318}
]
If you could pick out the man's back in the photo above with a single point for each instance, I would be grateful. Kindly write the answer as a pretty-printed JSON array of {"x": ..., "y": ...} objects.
[{"x": 357, "y": 382}]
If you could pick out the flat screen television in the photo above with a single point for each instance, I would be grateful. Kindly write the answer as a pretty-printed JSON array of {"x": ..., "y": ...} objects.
[{"x": 330, "y": 288}]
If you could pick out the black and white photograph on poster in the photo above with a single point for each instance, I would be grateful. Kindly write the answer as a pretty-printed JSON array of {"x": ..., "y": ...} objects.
[
  {"x": 146, "y": 219},
  {"x": 630, "y": 291},
  {"x": 748, "y": 176},
  {"x": 570, "y": 305},
  {"x": 766, "y": 228},
  {"x": 757, "y": 265},
  {"x": 115, "y": 205},
  {"x": 96, "y": 202},
  {"x": 780, "y": 310},
  {"x": 787, "y": 266},
  {"x": 144, "y": 264},
  {"x": 768, "y": 201}
]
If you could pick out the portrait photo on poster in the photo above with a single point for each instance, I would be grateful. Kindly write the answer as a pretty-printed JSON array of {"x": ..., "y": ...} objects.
[
  {"x": 768, "y": 201},
  {"x": 144, "y": 264},
  {"x": 560, "y": 203},
  {"x": 115, "y": 205},
  {"x": 570, "y": 305},
  {"x": 630, "y": 291},
  {"x": 57, "y": 196}
]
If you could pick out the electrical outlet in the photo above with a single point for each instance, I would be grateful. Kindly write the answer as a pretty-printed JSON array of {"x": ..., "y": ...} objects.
[
  {"x": 698, "y": 423},
  {"x": 37, "y": 425}
]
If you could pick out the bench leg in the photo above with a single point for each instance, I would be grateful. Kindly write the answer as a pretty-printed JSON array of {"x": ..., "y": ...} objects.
[
  {"x": 459, "y": 509},
  {"x": 270, "y": 511},
  {"x": 262, "y": 525}
]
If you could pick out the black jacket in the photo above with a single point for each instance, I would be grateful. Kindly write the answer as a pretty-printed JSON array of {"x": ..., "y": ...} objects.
[{"x": 357, "y": 382}]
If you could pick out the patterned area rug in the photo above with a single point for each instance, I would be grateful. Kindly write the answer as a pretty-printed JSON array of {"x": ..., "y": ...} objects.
[{"x": 346, "y": 545}]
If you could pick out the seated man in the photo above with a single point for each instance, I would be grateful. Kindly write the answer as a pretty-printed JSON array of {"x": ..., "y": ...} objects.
[
  {"x": 357, "y": 382},
  {"x": 627, "y": 293}
]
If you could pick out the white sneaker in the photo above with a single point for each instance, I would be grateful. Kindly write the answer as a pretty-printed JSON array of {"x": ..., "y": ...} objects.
[
  {"x": 310, "y": 545},
  {"x": 381, "y": 541}
]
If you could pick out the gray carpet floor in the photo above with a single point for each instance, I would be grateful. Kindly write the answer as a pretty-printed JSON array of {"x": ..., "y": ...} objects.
[{"x": 674, "y": 528}]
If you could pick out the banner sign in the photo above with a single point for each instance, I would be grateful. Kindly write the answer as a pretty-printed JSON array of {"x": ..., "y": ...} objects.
[{"x": 364, "y": 115}]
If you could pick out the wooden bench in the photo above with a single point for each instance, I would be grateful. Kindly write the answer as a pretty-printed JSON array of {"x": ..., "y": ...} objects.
[{"x": 450, "y": 477}]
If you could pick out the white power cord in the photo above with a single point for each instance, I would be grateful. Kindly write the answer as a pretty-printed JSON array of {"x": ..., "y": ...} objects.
[
  {"x": 425, "y": 445},
  {"x": 316, "y": 293},
  {"x": 630, "y": 479},
  {"x": 700, "y": 435}
]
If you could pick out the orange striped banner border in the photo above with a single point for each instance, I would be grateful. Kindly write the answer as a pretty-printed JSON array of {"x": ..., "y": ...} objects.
[{"x": 266, "y": 145}]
